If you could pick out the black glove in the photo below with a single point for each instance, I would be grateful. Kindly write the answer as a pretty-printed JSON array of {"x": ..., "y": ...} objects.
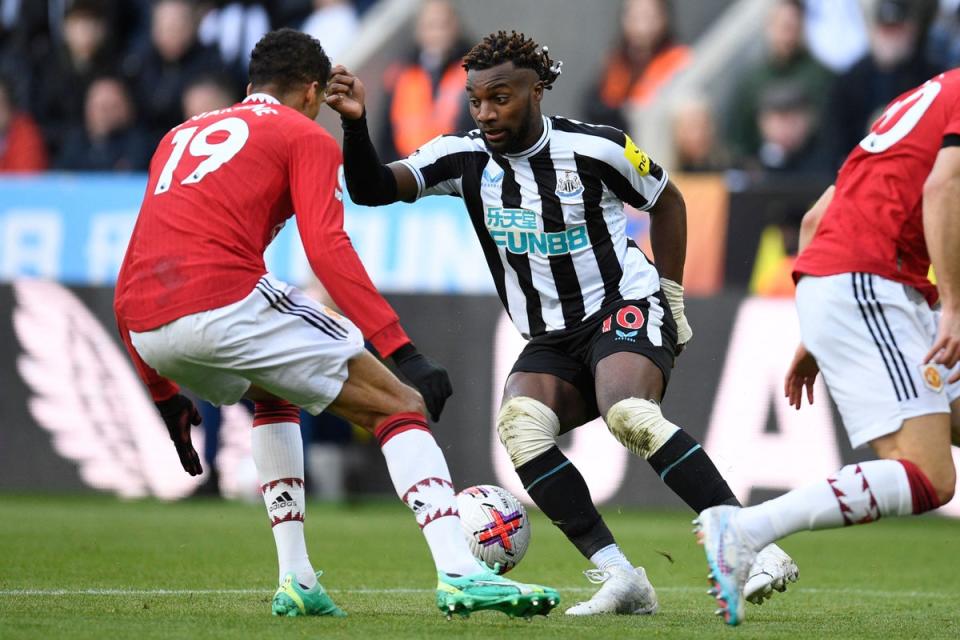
[
  {"x": 430, "y": 379},
  {"x": 178, "y": 414}
]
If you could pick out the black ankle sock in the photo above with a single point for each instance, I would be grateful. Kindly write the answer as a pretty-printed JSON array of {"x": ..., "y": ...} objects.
[
  {"x": 560, "y": 491},
  {"x": 687, "y": 469}
]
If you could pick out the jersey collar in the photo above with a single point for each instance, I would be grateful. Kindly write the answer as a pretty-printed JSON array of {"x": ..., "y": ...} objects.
[
  {"x": 538, "y": 145},
  {"x": 261, "y": 97}
]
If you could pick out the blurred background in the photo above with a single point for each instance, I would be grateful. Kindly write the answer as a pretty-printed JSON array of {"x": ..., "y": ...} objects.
[{"x": 751, "y": 104}]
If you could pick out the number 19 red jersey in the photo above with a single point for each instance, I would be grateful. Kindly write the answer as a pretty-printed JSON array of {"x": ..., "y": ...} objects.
[
  {"x": 221, "y": 186},
  {"x": 874, "y": 223}
]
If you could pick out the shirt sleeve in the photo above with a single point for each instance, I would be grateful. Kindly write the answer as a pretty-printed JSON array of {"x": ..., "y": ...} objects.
[
  {"x": 630, "y": 173},
  {"x": 160, "y": 388},
  {"x": 317, "y": 196},
  {"x": 438, "y": 165},
  {"x": 953, "y": 118}
]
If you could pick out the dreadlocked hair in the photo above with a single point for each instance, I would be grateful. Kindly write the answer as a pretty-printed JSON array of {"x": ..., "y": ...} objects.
[{"x": 514, "y": 47}]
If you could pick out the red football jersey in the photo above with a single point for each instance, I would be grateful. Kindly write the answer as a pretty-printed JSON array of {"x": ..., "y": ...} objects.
[
  {"x": 221, "y": 186},
  {"x": 875, "y": 222}
]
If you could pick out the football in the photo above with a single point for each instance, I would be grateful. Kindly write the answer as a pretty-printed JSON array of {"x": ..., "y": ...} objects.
[{"x": 496, "y": 525}]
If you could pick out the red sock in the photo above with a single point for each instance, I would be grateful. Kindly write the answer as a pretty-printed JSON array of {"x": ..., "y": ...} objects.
[
  {"x": 397, "y": 424},
  {"x": 924, "y": 495}
]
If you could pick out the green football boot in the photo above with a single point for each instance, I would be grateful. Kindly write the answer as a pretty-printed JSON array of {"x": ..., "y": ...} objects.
[
  {"x": 291, "y": 599},
  {"x": 487, "y": 591}
]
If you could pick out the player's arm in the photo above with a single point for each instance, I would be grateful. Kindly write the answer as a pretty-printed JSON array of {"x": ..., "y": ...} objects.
[
  {"x": 369, "y": 181},
  {"x": 313, "y": 186},
  {"x": 941, "y": 228},
  {"x": 804, "y": 369},
  {"x": 668, "y": 239},
  {"x": 637, "y": 180},
  {"x": 177, "y": 410},
  {"x": 668, "y": 233},
  {"x": 811, "y": 219}
]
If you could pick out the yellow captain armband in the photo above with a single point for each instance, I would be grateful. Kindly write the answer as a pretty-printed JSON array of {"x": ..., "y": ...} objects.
[{"x": 636, "y": 157}]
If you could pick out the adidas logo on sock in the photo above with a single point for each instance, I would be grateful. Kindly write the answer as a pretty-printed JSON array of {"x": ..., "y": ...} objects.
[
  {"x": 419, "y": 506},
  {"x": 282, "y": 501}
]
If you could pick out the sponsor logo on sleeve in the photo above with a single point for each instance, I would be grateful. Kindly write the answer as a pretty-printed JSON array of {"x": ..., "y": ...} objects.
[{"x": 636, "y": 157}]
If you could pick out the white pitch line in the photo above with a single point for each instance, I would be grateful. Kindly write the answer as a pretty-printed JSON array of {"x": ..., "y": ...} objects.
[{"x": 364, "y": 591}]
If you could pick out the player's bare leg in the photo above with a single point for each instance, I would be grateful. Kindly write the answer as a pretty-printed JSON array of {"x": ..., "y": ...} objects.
[
  {"x": 915, "y": 474},
  {"x": 376, "y": 400},
  {"x": 955, "y": 423},
  {"x": 629, "y": 388},
  {"x": 535, "y": 409}
]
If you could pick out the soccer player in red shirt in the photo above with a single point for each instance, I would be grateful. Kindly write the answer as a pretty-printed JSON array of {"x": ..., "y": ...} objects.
[
  {"x": 869, "y": 320},
  {"x": 196, "y": 306}
]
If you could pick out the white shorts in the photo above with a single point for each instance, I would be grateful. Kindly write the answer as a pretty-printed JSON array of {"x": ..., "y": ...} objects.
[
  {"x": 870, "y": 336},
  {"x": 276, "y": 338}
]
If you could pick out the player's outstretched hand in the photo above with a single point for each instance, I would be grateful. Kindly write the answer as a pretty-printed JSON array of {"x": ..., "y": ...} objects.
[
  {"x": 345, "y": 93},
  {"x": 179, "y": 414},
  {"x": 802, "y": 374},
  {"x": 430, "y": 379},
  {"x": 946, "y": 349}
]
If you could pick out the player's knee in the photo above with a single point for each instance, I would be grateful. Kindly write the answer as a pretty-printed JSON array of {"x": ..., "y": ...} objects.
[
  {"x": 527, "y": 429},
  {"x": 639, "y": 425},
  {"x": 946, "y": 485},
  {"x": 932, "y": 483},
  {"x": 410, "y": 401}
]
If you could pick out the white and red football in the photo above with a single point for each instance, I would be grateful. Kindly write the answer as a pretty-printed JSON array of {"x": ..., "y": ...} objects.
[{"x": 496, "y": 525}]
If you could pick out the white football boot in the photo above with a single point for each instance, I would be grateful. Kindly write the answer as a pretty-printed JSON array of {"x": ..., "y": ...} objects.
[
  {"x": 729, "y": 557},
  {"x": 624, "y": 591},
  {"x": 771, "y": 571}
]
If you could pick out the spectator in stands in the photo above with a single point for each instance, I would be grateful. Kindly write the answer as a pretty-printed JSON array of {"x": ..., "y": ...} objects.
[
  {"x": 645, "y": 60},
  {"x": 21, "y": 144},
  {"x": 944, "y": 36},
  {"x": 786, "y": 60},
  {"x": 694, "y": 138},
  {"x": 334, "y": 23},
  {"x": 110, "y": 140},
  {"x": 896, "y": 63},
  {"x": 425, "y": 96},
  {"x": 787, "y": 120},
  {"x": 233, "y": 28},
  {"x": 84, "y": 54},
  {"x": 836, "y": 32},
  {"x": 166, "y": 66},
  {"x": 24, "y": 38},
  {"x": 208, "y": 93}
]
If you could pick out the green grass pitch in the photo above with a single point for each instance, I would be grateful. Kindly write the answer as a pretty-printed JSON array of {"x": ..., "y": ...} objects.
[{"x": 94, "y": 567}]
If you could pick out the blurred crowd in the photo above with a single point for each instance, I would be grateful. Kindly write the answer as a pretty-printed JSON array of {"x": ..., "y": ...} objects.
[{"x": 91, "y": 85}]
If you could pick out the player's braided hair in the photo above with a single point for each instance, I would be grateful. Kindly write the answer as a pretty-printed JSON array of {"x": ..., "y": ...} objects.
[
  {"x": 287, "y": 58},
  {"x": 514, "y": 47}
]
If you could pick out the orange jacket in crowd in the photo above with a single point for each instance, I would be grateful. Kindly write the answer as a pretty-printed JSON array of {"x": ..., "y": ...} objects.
[
  {"x": 621, "y": 84},
  {"x": 422, "y": 107}
]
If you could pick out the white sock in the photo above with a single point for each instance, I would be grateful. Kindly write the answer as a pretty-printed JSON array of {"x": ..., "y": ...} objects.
[
  {"x": 278, "y": 455},
  {"x": 421, "y": 478},
  {"x": 856, "y": 494},
  {"x": 610, "y": 556}
]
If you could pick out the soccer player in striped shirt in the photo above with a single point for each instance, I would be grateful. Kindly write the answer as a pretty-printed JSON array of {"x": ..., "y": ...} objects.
[{"x": 546, "y": 198}]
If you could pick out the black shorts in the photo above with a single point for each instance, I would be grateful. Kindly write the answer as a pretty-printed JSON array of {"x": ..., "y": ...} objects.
[{"x": 629, "y": 325}]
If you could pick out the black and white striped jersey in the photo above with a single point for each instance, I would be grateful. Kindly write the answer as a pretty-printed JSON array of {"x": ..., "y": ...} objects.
[{"x": 550, "y": 219}]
